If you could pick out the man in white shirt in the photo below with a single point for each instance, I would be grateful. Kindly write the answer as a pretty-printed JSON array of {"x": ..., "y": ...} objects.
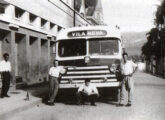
[
  {"x": 54, "y": 75},
  {"x": 89, "y": 91},
  {"x": 128, "y": 68},
  {"x": 5, "y": 69}
]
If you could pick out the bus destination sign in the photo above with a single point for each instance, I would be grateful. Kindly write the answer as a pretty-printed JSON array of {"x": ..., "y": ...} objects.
[{"x": 87, "y": 33}]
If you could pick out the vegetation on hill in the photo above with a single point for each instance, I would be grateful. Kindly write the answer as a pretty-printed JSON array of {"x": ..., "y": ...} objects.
[{"x": 133, "y": 41}]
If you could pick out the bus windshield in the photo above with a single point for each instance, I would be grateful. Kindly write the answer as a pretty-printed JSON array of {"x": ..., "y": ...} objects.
[
  {"x": 69, "y": 48},
  {"x": 103, "y": 46}
]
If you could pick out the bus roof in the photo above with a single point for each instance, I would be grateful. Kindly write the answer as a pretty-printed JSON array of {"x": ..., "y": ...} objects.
[{"x": 89, "y": 32}]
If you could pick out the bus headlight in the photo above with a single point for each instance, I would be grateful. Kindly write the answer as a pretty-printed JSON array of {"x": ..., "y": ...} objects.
[
  {"x": 113, "y": 68},
  {"x": 105, "y": 79},
  {"x": 63, "y": 71},
  {"x": 87, "y": 59}
]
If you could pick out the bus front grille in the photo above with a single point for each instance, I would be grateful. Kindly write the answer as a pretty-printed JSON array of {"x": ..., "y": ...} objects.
[{"x": 94, "y": 73}]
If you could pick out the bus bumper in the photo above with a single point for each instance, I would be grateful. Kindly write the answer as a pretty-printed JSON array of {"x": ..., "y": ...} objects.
[{"x": 99, "y": 85}]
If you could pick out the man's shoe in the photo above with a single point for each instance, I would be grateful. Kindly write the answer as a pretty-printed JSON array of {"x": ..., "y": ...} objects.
[
  {"x": 6, "y": 96},
  {"x": 120, "y": 105},
  {"x": 51, "y": 104},
  {"x": 2, "y": 96},
  {"x": 83, "y": 103},
  {"x": 78, "y": 103},
  {"x": 93, "y": 104},
  {"x": 129, "y": 105}
]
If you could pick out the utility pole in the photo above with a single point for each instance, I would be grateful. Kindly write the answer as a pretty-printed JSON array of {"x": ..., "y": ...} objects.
[
  {"x": 163, "y": 39},
  {"x": 74, "y": 13}
]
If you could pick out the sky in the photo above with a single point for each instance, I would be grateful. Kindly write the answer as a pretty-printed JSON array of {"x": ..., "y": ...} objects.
[{"x": 130, "y": 15}]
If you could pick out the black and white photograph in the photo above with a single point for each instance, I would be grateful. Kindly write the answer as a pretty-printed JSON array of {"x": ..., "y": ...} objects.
[{"x": 82, "y": 59}]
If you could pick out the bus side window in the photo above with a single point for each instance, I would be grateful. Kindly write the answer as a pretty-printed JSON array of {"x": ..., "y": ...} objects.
[{"x": 61, "y": 50}]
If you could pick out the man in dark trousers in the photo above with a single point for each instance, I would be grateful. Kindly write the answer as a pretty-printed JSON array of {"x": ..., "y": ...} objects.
[
  {"x": 5, "y": 70},
  {"x": 54, "y": 74},
  {"x": 87, "y": 91}
]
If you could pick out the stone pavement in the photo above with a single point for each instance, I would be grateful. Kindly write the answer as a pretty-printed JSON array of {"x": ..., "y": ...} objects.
[{"x": 18, "y": 101}]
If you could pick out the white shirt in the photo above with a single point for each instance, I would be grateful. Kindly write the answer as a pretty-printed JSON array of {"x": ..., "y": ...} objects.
[
  {"x": 55, "y": 71},
  {"x": 91, "y": 89},
  {"x": 128, "y": 67},
  {"x": 5, "y": 66}
]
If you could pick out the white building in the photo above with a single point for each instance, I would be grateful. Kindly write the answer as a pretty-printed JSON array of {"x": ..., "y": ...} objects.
[{"x": 28, "y": 31}]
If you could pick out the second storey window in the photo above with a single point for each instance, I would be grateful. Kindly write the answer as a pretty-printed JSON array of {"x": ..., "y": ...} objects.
[
  {"x": 52, "y": 26},
  {"x": 43, "y": 23},
  {"x": 59, "y": 28},
  {"x": 2, "y": 8},
  {"x": 32, "y": 18},
  {"x": 18, "y": 12}
]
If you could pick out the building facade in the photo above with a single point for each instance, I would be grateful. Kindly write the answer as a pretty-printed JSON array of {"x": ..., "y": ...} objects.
[
  {"x": 91, "y": 9},
  {"x": 97, "y": 15},
  {"x": 28, "y": 30}
]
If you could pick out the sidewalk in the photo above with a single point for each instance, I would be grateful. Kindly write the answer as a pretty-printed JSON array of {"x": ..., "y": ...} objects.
[{"x": 17, "y": 101}]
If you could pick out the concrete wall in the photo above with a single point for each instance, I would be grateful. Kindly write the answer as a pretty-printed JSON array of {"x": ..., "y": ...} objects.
[
  {"x": 30, "y": 53},
  {"x": 20, "y": 57},
  {"x": 52, "y": 52},
  {"x": 5, "y": 42},
  {"x": 34, "y": 58},
  {"x": 44, "y": 61}
]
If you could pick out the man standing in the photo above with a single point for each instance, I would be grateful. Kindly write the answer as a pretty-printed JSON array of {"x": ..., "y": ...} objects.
[
  {"x": 54, "y": 74},
  {"x": 89, "y": 91},
  {"x": 5, "y": 69},
  {"x": 128, "y": 68}
]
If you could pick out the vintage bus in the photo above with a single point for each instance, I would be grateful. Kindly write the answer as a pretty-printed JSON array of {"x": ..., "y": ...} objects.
[{"x": 89, "y": 52}]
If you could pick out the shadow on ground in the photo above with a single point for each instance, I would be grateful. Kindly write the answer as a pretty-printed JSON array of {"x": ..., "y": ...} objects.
[{"x": 68, "y": 96}]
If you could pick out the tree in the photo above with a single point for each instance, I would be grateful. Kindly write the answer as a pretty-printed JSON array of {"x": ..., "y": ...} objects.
[
  {"x": 160, "y": 13},
  {"x": 149, "y": 48},
  {"x": 154, "y": 48}
]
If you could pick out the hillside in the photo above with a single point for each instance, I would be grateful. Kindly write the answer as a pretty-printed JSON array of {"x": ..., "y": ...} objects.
[{"x": 133, "y": 41}]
